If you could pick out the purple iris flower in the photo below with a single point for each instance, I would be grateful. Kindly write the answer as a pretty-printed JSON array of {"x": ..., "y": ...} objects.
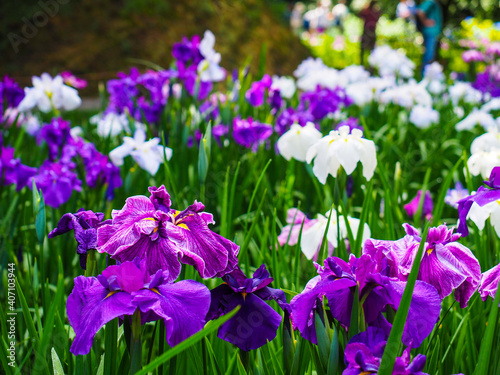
[
  {"x": 188, "y": 51},
  {"x": 85, "y": 224},
  {"x": 219, "y": 131},
  {"x": 10, "y": 95},
  {"x": 323, "y": 101},
  {"x": 198, "y": 135},
  {"x": 364, "y": 352},
  {"x": 250, "y": 133},
  {"x": 427, "y": 207},
  {"x": 256, "y": 93},
  {"x": 121, "y": 290},
  {"x": 275, "y": 101},
  {"x": 12, "y": 171},
  {"x": 288, "y": 117},
  {"x": 144, "y": 96},
  {"x": 446, "y": 264},
  {"x": 150, "y": 229},
  {"x": 256, "y": 322},
  {"x": 489, "y": 283},
  {"x": 454, "y": 195},
  {"x": 98, "y": 168},
  {"x": 56, "y": 135},
  {"x": 487, "y": 83},
  {"x": 337, "y": 281},
  {"x": 482, "y": 198},
  {"x": 57, "y": 181},
  {"x": 352, "y": 122}
]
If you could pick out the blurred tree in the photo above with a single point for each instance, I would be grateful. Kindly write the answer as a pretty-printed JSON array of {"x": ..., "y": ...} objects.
[{"x": 99, "y": 37}]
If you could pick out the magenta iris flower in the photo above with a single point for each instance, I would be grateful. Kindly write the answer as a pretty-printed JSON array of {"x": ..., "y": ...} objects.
[
  {"x": 378, "y": 292},
  {"x": 446, "y": 264},
  {"x": 256, "y": 93},
  {"x": 290, "y": 233},
  {"x": 482, "y": 198},
  {"x": 85, "y": 224},
  {"x": 150, "y": 229},
  {"x": 121, "y": 290},
  {"x": 250, "y": 133},
  {"x": 427, "y": 207},
  {"x": 489, "y": 282},
  {"x": 364, "y": 352},
  {"x": 71, "y": 80},
  {"x": 256, "y": 322}
]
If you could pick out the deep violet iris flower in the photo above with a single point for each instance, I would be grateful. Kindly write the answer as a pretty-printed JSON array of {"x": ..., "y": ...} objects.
[
  {"x": 150, "y": 229},
  {"x": 121, "y": 290},
  {"x": 57, "y": 182},
  {"x": 256, "y": 322},
  {"x": 85, "y": 224},
  {"x": 337, "y": 281},
  {"x": 364, "y": 352},
  {"x": 56, "y": 135},
  {"x": 10, "y": 95},
  {"x": 482, "y": 197},
  {"x": 12, "y": 171}
]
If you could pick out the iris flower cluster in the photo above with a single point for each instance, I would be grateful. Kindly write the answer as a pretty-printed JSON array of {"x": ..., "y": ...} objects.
[
  {"x": 150, "y": 241},
  {"x": 57, "y": 176}
]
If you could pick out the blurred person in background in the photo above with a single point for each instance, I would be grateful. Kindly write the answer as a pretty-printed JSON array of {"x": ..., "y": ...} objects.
[
  {"x": 370, "y": 16},
  {"x": 318, "y": 19},
  {"x": 407, "y": 10},
  {"x": 430, "y": 18},
  {"x": 296, "y": 21},
  {"x": 339, "y": 13}
]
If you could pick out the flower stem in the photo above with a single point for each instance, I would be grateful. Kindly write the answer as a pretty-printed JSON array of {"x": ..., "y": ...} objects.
[
  {"x": 91, "y": 264},
  {"x": 135, "y": 343}
]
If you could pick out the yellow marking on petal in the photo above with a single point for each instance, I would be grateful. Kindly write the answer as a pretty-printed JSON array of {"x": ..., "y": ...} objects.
[
  {"x": 429, "y": 252},
  {"x": 179, "y": 223},
  {"x": 244, "y": 294},
  {"x": 111, "y": 293},
  {"x": 149, "y": 218},
  {"x": 155, "y": 230},
  {"x": 155, "y": 290}
]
